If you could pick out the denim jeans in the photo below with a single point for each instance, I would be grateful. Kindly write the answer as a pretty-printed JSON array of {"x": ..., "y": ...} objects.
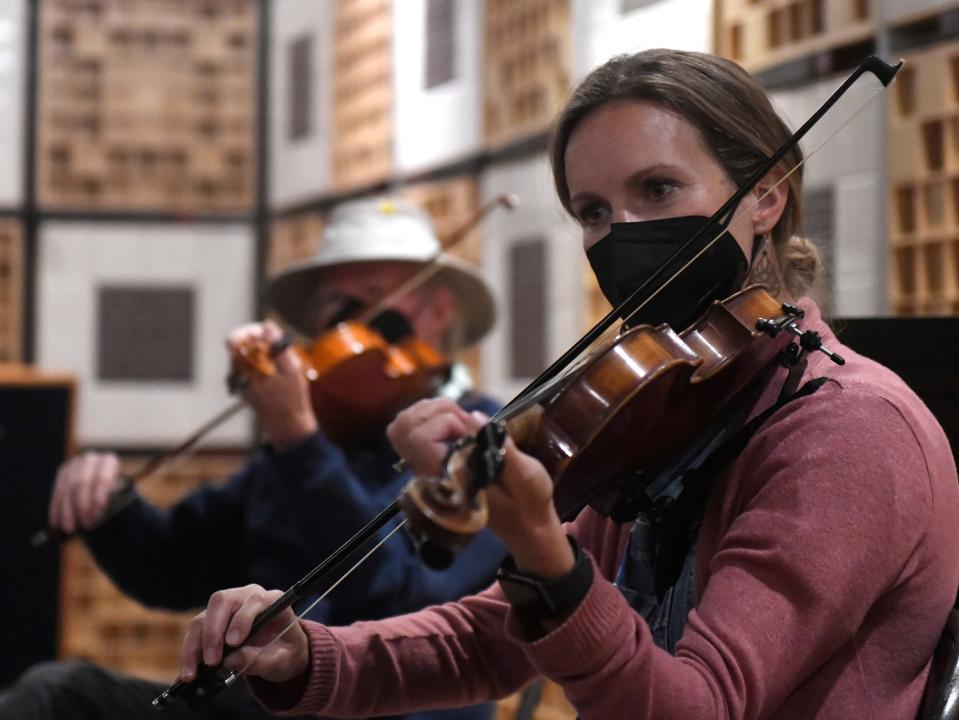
[{"x": 635, "y": 579}]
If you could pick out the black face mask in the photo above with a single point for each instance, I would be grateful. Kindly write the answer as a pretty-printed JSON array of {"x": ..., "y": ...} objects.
[{"x": 625, "y": 258}]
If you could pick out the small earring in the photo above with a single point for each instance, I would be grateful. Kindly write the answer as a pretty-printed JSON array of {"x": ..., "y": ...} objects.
[{"x": 762, "y": 230}]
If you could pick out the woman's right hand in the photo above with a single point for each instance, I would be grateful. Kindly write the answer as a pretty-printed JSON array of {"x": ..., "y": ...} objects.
[
  {"x": 225, "y": 624},
  {"x": 82, "y": 490}
]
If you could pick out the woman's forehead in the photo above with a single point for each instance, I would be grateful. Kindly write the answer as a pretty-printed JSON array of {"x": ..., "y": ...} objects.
[{"x": 626, "y": 137}]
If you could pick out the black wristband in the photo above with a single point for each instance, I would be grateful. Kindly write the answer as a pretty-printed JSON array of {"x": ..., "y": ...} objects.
[{"x": 533, "y": 596}]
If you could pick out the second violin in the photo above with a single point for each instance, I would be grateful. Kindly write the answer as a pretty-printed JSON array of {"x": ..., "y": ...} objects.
[{"x": 382, "y": 320}]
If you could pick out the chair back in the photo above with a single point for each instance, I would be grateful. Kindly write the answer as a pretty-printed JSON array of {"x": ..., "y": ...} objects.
[{"x": 940, "y": 701}]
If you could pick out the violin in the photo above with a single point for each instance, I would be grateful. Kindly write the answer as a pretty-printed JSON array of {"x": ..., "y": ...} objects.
[
  {"x": 650, "y": 383},
  {"x": 358, "y": 380},
  {"x": 584, "y": 417}
]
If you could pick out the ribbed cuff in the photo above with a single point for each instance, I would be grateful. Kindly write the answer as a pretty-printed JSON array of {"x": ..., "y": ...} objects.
[
  {"x": 296, "y": 697},
  {"x": 581, "y": 637}
]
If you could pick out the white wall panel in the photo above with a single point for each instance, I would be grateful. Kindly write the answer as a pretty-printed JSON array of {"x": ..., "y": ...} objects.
[
  {"x": 851, "y": 164},
  {"x": 300, "y": 168},
  {"x": 77, "y": 260},
  {"x": 603, "y": 30},
  {"x": 539, "y": 216},
  {"x": 12, "y": 58},
  {"x": 906, "y": 10},
  {"x": 859, "y": 263},
  {"x": 442, "y": 123}
]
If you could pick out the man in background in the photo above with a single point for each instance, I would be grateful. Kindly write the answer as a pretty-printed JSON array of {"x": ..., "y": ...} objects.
[{"x": 302, "y": 494}]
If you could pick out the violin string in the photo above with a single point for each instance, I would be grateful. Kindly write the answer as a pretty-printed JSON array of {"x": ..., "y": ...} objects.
[{"x": 326, "y": 592}]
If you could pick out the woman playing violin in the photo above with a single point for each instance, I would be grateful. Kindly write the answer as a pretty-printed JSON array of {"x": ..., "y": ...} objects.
[{"x": 824, "y": 561}]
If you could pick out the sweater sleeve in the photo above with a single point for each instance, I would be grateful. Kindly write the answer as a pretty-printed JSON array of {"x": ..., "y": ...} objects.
[
  {"x": 332, "y": 502},
  {"x": 445, "y": 656},
  {"x": 176, "y": 558},
  {"x": 823, "y": 523}
]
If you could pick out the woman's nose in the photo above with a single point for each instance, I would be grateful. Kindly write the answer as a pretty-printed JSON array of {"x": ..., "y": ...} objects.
[{"x": 624, "y": 215}]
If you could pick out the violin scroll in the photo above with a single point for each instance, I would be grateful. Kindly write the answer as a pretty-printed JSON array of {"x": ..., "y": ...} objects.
[{"x": 444, "y": 513}]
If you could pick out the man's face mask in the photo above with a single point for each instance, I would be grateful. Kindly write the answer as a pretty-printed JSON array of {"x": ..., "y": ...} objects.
[{"x": 625, "y": 258}]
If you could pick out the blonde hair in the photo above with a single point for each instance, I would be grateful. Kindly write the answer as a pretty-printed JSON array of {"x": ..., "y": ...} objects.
[{"x": 732, "y": 115}]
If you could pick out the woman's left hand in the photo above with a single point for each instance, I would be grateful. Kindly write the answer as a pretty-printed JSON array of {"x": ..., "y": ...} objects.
[{"x": 520, "y": 501}]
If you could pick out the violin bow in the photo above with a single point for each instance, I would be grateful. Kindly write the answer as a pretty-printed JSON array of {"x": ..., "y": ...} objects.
[
  {"x": 506, "y": 200},
  {"x": 212, "y": 679},
  {"x": 124, "y": 495}
]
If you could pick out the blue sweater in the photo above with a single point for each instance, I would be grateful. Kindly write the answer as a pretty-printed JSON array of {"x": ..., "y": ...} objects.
[{"x": 273, "y": 522}]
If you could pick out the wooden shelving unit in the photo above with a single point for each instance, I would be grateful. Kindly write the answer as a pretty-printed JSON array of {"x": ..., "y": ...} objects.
[
  {"x": 11, "y": 290},
  {"x": 362, "y": 137},
  {"x": 148, "y": 105},
  {"x": 528, "y": 66},
  {"x": 759, "y": 34},
  {"x": 923, "y": 173},
  {"x": 293, "y": 239}
]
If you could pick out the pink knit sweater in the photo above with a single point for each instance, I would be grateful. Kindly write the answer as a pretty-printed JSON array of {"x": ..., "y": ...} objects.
[{"x": 828, "y": 560}]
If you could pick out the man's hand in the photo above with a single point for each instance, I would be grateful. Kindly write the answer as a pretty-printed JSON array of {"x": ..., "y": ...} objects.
[
  {"x": 82, "y": 489},
  {"x": 281, "y": 401}
]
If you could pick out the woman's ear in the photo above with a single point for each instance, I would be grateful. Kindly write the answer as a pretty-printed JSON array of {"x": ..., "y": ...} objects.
[{"x": 772, "y": 196}]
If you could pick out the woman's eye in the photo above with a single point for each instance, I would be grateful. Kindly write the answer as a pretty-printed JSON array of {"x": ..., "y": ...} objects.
[
  {"x": 659, "y": 189},
  {"x": 592, "y": 215}
]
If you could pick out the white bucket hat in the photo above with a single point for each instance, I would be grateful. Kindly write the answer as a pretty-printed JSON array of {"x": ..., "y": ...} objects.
[{"x": 377, "y": 229}]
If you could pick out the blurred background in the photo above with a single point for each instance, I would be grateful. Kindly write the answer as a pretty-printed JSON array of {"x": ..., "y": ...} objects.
[{"x": 162, "y": 158}]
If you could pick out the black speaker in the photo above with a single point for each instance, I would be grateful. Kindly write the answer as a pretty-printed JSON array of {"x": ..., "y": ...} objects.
[
  {"x": 923, "y": 351},
  {"x": 35, "y": 421}
]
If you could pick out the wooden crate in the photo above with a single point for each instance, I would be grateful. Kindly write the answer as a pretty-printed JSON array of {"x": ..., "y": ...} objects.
[
  {"x": 147, "y": 105},
  {"x": 762, "y": 33},
  {"x": 923, "y": 174},
  {"x": 450, "y": 203},
  {"x": 528, "y": 66},
  {"x": 362, "y": 137},
  {"x": 11, "y": 290},
  {"x": 100, "y": 623}
]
